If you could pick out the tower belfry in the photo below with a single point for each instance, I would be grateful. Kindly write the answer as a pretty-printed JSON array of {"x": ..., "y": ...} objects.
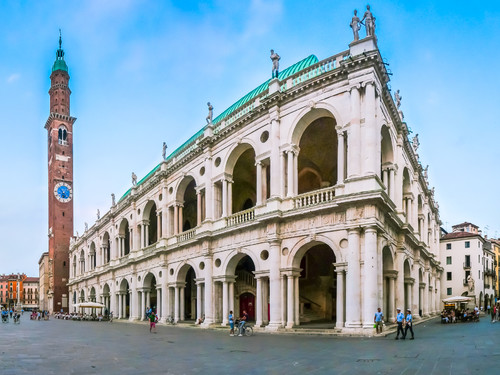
[{"x": 59, "y": 127}]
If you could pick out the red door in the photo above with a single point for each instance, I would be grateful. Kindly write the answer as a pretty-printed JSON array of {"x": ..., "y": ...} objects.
[{"x": 247, "y": 303}]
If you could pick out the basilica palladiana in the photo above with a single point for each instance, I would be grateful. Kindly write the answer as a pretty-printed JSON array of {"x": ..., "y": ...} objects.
[{"x": 304, "y": 201}]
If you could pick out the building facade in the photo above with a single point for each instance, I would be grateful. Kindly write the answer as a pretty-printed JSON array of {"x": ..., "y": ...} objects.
[
  {"x": 469, "y": 265},
  {"x": 59, "y": 127},
  {"x": 30, "y": 293},
  {"x": 304, "y": 201},
  {"x": 495, "y": 247},
  {"x": 17, "y": 291}
]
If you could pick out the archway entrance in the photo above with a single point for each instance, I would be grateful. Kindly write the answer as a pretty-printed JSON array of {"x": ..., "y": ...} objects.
[
  {"x": 123, "y": 300},
  {"x": 245, "y": 287},
  {"x": 151, "y": 299},
  {"x": 190, "y": 296},
  {"x": 317, "y": 286}
]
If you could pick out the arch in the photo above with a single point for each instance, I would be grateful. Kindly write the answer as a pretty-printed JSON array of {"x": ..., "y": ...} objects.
[
  {"x": 124, "y": 233},
  {"x": 303, "y": 245},
  {"x": 234, "y": 257},
  {"x": 317, "y": 160},
  {"x": 149, "y": 216},
  {"x": 186, "y": 194},
  {"x": 182, "y": 270},
  {"x": 124, "y": 285},
  {"x": 62, "y": 135},
  {"x": 387, "y": 154},
  {"x": 82, "y": 295},
  {"x": 235, "y": 153},
  {"x": 106, "y": 244},
  {"x": 308, "y": 115},
  {"x": 93, "y": 257},
  {"x": 148, "y": 278},
  {"x": 82, "y": 262},
  {"x": 314, "y": 272}
]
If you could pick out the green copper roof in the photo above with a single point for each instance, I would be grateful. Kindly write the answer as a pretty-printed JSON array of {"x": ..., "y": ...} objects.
[
  {"x": 60, "y": 64},
  {"x": 291, "y": 70}
]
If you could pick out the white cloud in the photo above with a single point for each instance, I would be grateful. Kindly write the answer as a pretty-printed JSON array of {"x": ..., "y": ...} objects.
[{"x": 13, "y": 77}]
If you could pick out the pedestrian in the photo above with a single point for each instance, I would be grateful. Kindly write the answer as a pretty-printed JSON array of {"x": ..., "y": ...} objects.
[
  {"x": 409, "y": 324},
  {"x": 231, "y": 323},
  {"x": 493, "y": 314},
  {"x": 378, "y": 320},
  {"x": 400, "y": 318},
  {"x": 152, "y": 322}
]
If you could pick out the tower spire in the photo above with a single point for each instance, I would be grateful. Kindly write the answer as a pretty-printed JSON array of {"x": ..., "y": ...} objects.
[{"x": 60, "y": 64}]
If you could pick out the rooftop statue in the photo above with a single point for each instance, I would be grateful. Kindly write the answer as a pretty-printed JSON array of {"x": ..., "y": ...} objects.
[
  {"x": 209, "y": 116},
  {"x": 415, "y": 143},
  {"x": 113, "y": 199},
  {"x": 369, "y": 22},
  {"x": 86, "y": 227},
  {"x": 134, "y": 179},
  {"x": 355, "y": 25},
  {"x": 164, "y": 151},
  {"x": 397, "y": 98},
  {"x": 275, "y": 58},
  {"x": 98, "y": 214},
  {"x": 426, "y": 173}
]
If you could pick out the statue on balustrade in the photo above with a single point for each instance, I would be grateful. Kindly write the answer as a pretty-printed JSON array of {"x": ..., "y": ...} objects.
[
  {"x": 210, "y": 113},
  {"x": 275, "y": 58},
  {"x": 355, "y": 25},
  {"x": 369, "y": 22}
]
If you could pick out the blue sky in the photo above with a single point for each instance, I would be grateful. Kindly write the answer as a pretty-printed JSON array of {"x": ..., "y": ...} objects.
[{"x": 143, "y": 71}]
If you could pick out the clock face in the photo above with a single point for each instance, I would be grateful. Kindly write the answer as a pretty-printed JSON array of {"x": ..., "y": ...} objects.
[{"x": 63, "y": 192}]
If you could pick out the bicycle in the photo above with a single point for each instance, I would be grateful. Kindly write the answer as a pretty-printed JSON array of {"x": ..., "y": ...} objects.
[{"x": 247, "y": 329}]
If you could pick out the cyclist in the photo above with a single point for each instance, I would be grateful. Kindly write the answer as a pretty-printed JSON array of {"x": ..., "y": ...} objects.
[
  {"x": 5, "y": 316},
  {"x": 243, "y": 320}
]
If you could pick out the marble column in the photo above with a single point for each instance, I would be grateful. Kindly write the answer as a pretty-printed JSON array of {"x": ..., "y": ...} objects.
[
  {"x": 370, "y": 139},
  {"x": 353, "y": 277},
  {"x": 275, "y": 284},
  {"x": 340, "y": 156},
  {"x": 209, "y": 311},
  {"x": 176, "y": 303},
  {"x": 164, "y": 302},
  {"x": 290, "y": 173},
  {"x": 290, "y": 302},
  {"x": 258, "y": 303},
  {"x": 258, "y": 186},
  {"x": 224, "y": 198},
  {"x": 275, "y": 159},
  {"x": 370, "y": 292},
  {"x": 354, "y": 135},
  {"x": 182, "y": 303},
  {"x": 340, "y": 297},
  {"x": 198, "y": 300},
  {"x": 225, "y": 304}
]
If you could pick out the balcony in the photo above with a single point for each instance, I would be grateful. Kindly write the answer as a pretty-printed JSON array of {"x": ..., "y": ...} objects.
[
  {"x": 466, "y": 265},
  {"x": 487, "y": 286}
]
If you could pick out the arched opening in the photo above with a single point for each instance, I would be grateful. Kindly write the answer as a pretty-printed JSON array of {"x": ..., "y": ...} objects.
[
  {"x": 82, "y": 262},
  {"x": 93, "y": 257},
  {"x": 62, "y": 135},
  {"x": 244, "y": 193},
  {"x": 389, "y": 283},
  {"x": 188, "y": 294},
  {"x": 407, "y": 195},
  {"x": 190, "y": 211},
  {"x": 123, "y": 300},
  {"x": 106, "y": 244},
  {"x": 74, "y": 300},
  {"x": 74, "y": 266},
  {"x": 245, "y": 288},
  {"x": 82, "y": 296},
  {"x": 421, "y": 217},
  {"x": 106, "y": 294},
  {"x": 407, "y": 285},
  {"x": 317, "y": 285},
  {"x": 387, "y": 160},
  {"x": 151, "y": 299},
  {"x": 317, "y": 161},
  {"x": 124, "y": 238},
  {"x": 151, "y": 222}
]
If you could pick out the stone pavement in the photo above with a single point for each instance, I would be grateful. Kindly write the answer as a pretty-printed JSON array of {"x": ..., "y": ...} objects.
[{"x": 67, "y": 347}]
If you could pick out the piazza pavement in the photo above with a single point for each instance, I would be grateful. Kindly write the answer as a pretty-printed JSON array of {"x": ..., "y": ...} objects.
[{"x": 73, "y": 347}]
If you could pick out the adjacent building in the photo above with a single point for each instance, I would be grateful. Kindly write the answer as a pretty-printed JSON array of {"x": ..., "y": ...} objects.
[
  {"x": 18, "y": 291},
  {"x": 469, "y": 265},
  {"x": 303, "y": 201}
]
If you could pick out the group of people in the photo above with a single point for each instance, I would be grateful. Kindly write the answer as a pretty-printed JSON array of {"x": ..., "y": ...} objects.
[
  {"x": 495, "y": 311},
  {"x": 401, "y": 320},
  {"x": 241, "y": 323},
  {"x": 460, "y": 315},
  {"x": 11, "y": 314}
]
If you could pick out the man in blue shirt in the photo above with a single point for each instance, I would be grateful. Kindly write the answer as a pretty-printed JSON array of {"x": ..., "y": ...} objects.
[
  {"x": 377, "y": 319},
  {"x": 400, "y": 318},
  {"x": 409, "y": 323}
]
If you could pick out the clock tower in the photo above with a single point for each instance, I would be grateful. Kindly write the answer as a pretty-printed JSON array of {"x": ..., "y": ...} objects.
[{"x": 59, "y": 127}]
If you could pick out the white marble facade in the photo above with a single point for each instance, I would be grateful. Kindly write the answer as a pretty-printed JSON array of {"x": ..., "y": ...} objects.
[{"x": 306, "y": 203}]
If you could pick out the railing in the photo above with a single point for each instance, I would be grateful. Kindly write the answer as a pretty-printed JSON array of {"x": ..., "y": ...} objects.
[
  {"x": 246, "y": 278},
  {"x": 236, "y": 115},
  {"x": 241, "y": 217},
  {"x": 314, "y": 198},
  {"x": 315, "y": 70},
  {"x": 486, "y": 286},
  {"x": 187, "y": 235},
  {"x": 466, "y": 265}
]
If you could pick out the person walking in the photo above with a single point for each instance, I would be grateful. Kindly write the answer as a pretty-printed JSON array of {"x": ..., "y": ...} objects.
[
  {"x": 493, "y": 313},
  {"x": 400, "y": 318},
  {"x": 152, "y": 322},
  {"x": 231, "y": 323},
  {"x": 378, "y": 320},
  {"x": 409, "y": 324}
]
